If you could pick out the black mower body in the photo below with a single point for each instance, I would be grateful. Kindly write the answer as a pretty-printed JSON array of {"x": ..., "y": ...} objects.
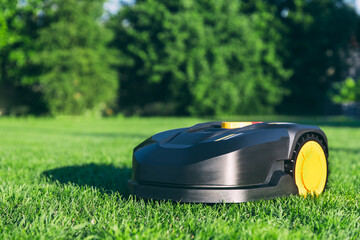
[{"x": 207, "y": 163}]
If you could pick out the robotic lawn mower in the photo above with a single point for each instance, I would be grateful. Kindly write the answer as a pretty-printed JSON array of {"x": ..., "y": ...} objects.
[{"x": 231, "y": 162}]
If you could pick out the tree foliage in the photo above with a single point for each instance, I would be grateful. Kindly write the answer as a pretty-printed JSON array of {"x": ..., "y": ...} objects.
[
  {"x": 316, "y": 43},
  {"x": 206, "y": 57},
  {"x": 76, "y": 67},
  {"x": 347, "y": 91},
  {"x": 19, "y": 24},
  {"x": 197, "y": 57},
  {"x": 57, "y": 49}
]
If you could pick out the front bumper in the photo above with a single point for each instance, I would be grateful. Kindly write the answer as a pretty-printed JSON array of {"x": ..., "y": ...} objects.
[{"x": 280, "y": 185}]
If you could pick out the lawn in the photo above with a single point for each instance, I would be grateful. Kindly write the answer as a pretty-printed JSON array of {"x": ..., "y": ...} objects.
[{"x": 67, "y": 178}]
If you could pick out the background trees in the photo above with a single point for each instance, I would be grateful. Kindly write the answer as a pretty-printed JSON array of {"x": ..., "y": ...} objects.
[
  {"x": 317, "y": 40},
  {"x": 173, "y": 57},
  {"x": 75, "y": 62},
  {"x": 198, "y": 57},
  {"x": 62, "y": 55},
  {"x": 19, "y": 25}
]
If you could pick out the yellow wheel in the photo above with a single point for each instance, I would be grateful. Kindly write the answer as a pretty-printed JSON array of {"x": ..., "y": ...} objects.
[{"x": 311, "y": 167}]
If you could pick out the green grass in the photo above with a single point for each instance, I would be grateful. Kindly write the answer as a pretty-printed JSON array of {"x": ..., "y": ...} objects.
[{"x": 67, "y": 178}]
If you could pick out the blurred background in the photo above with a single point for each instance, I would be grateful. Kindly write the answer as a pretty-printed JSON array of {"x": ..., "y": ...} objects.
[{"x": 179, "y": 58}]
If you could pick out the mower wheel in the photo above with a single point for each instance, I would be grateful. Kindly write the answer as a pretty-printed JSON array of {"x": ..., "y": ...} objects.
[{"x": 311, "y": 165}]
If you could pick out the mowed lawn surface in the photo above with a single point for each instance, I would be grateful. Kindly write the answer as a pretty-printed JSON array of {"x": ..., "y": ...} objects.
[{"x": 67, "y": 178}]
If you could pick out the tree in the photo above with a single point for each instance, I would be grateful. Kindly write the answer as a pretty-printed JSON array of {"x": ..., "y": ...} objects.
[
  {"x": 75, "y": 66},
  {"x": 203, "y": 57},
  {"x": 18, "y": 31},
  {"x": 315, "y": 45}
]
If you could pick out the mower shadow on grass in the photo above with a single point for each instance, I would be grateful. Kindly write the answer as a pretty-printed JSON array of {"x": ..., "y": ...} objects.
[{"x": 106, "y": 178}]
